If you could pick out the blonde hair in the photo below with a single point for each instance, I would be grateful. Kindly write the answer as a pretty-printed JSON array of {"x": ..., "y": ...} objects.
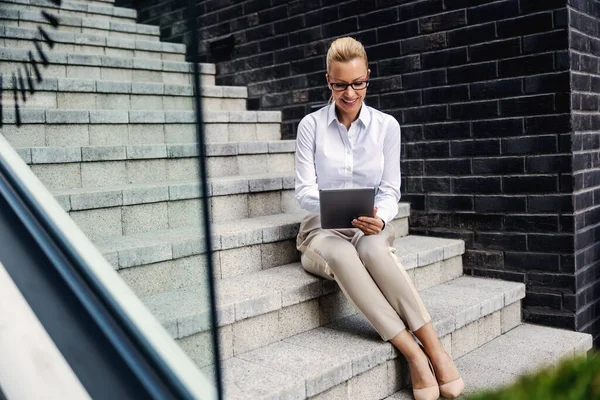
[{"x": 345, "y": 49}]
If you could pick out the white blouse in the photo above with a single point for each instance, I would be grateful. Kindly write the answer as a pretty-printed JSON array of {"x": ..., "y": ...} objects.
[{"x": 367, "y": 155}]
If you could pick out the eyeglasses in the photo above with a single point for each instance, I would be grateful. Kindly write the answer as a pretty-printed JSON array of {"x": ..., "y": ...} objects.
[{"x": 340, "y": 87}]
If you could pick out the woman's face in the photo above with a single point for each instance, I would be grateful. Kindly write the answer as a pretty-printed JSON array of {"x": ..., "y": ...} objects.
[{"x": 349, "y": 100}]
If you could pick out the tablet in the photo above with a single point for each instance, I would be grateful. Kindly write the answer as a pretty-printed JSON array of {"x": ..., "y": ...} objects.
[{"x": 339, "y": 207}]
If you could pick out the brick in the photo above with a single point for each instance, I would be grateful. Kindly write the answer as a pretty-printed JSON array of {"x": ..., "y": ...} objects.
[
  {"x": 550, "y": 203},
  {"x": 498, "y": 165},
  {"x": 529, "y": 184},
  {"x": 474, "y": 110},
  {"x": 443, "y": 22},
  {"x": 424, "y": 114},
  {"x": 448, "y": 167},
  {"x": 526, "y": 65},
  {"x": 555, "y": 243},
  {"x": 501, "y": 241},
  {"x": 493, "y": 12},
  {"x": 447, "y": 94},
  {"x": 399, "y": 31},
  {"x": 400, "y": 65},
  {"x": 531, "y": 105},
  {"x": 449, "y": 203},
  {"x": 471, "y": 35},
  {"x": 495, "y": 50},
  {"x": 500, "y": 203},
  {"x": 529, "y": 145},
  {"x": 444, "y": 58},
  {"x": 472, "y": 73},
  {"x": 377, "y": 18},
  {"x": 476, "y": 185},
  {"x": 475, "y": 148},
  {"x": 547, "y": 41}
]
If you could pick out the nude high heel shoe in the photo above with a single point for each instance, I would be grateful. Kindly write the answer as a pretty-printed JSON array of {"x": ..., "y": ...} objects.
[
  {"x": 452, "y": 389},
  {"x": 428, "y": 393}
]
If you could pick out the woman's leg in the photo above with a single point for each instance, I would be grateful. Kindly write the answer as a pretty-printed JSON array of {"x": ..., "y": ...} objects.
[
  {"x": 392, "y": 279},
  {"x": 399, "y": 290},
  {"x": 443, "y": 364},
  {"x": 329, "y": 254},
  {"x": 420, "y": 373}
]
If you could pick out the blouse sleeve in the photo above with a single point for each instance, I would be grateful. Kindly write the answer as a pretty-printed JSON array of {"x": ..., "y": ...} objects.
[
  {"x": 307, "y": 190},
  {"x": 388, "y": 192}
]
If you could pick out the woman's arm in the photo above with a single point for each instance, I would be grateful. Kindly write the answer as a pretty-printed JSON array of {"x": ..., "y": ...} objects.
[
  {"x": 388, "y": 193},
  {"x": 307, "y": 190}
]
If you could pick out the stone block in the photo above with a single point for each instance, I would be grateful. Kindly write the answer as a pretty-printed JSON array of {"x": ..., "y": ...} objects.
[
  {"x": 181, "y": 133},
  {"x": 465, "y": 339},
  {"x": 183, "y": 169},
  {"x": 145, "y": 194},
  {"x": 113, "y": 87},
  {"x": 103, "y": 153},
  {"x": 146, "y": 151},
  {"x": 99, "y": 174},
  {"x": 67, "y": 117},
  {"x": 489, "y": 328},
  {"x": 398, "y": 375},
  {"x": 242, "y": 132},
  {"x": 147, "y": 134},
  {"x": 303, "y": 362},
  {"x": 108, "y": 135},
  {"x": 54, "y": 155},
  {"x": 66, "y": 135},
  {"x": 118, "y": 102},
  {"x": 80, "y": 72},
  {"x": 141, "y": 117},
  {"x": 227, "y": 208},
  {"x": 283, "y": 162},
  {"x": 239, "y": 260},
  {"x": 510, "y": 316},
  {"x": 368, "y": 385},
  {"x": 255, "y": 332},
  {"x": 77, "y": 85},
  {"x": 185, "y": 213},
  {"x": 96, "y": 199},
  {"x": 147, "y": 171},
  {"x": 145, "y": 218},
  {"x": 98, "y": 223},
  {"x": 299, "y": 318},
  {"x": 184, "y": 191},
  {"x": 108, "y": 117},
  {"x": 61, "y": 176},
  {"x": 335, "y": 393}
]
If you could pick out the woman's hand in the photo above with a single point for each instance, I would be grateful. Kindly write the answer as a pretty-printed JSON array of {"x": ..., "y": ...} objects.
[{"x": 369, "y": 225}]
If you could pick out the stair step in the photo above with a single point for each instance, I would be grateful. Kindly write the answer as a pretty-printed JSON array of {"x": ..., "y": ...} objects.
[
  {"x": 60, "y": 117},
  {"x": 171, "y": 244},
  {"x": 102, "y": 166},
  {"x": 111, "y": 68},
  {"x": 178, "y": 204},
  {"x": 78, "y": 94},
  {"x": 254, "y": 294},
  {"x": 135, "y": 88},
  {"x": 74, "y": 9},
  {"x": 312, "y": 362},
  {"x": 31, "y": 19},
  {"x": 37, "y": 135},
  {"x": 145, "y": 193},
  {"x": 522, "y": 350},
  {"x": 87, "y": 43}
]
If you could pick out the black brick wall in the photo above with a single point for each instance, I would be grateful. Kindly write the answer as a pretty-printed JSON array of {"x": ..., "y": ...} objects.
[
  {"x": 584, "y": 50},
  {"x": 483, "y": 92}
]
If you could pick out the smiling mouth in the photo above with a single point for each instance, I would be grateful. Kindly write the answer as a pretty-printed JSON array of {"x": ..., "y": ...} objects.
[{"x": 349, "y": 102}]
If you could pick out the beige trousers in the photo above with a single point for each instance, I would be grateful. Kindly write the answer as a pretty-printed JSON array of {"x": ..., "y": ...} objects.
[{"x": 368, "y": 272}]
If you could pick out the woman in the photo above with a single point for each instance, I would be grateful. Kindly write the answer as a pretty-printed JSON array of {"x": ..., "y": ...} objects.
[{"x": 348, "y": 144}]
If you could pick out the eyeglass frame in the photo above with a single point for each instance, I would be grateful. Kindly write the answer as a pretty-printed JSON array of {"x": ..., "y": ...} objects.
[{"x": 330, "y": 84}]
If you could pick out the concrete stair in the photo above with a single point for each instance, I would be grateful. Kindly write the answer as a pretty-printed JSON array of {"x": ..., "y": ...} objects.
[{"x": 111, "y": 132}]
